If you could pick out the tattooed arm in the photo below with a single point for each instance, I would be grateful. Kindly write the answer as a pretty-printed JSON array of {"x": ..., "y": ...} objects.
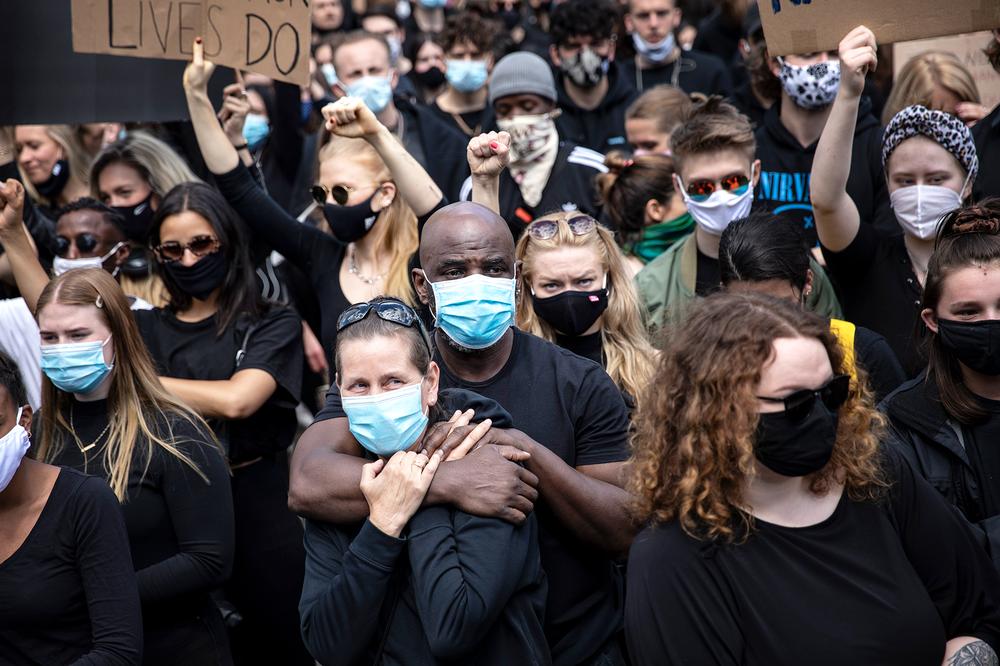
[{"x": 968, "y": 651}]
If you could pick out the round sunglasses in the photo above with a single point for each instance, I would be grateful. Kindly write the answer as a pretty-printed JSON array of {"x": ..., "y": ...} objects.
[{"x": 546, "y": 229}]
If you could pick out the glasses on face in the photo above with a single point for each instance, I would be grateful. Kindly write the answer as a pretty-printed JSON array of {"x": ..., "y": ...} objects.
[
  {"x": 340, "y": 193},
  {"x": 546, "y": 229},
  {"x": 199, "y": 246},
  {"x": 85, "y": 243},
  {"x": 391, "y": 311},
  {"x": 702, "y": 189},
  {"x": 799, "y": 404}
]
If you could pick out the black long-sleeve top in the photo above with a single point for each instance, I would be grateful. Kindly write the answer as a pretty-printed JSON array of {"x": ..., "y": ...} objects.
[
  {"x": 180, "y": 526},
  {"x": 878, "y": 582},
  {"x": 454, "y": 588},
  {"x": 315, "y": 253},
  {"x": 68, "y": 595}
]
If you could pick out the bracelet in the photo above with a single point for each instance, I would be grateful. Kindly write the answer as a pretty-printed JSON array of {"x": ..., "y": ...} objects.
[{"x": 242, "y": 146}]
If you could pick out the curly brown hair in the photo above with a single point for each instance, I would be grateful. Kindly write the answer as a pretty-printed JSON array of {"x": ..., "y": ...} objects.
[
  {"x": 468, "y": 28},
  {"x": 693, "y": 444}
]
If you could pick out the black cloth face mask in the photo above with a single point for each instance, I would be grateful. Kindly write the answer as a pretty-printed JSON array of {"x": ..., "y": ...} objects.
[
  {"x": 796, "y": 448},
  {"x": 57, "y": 181},
  {"x": 138, "y": 219},
  {"x": 571, "y": 312},
  {"x": 201, "y": 279},
  {"x": 350, "y": 223},
  {"x": 975, "y": 343},
  {"x": 432, "y": 79}
]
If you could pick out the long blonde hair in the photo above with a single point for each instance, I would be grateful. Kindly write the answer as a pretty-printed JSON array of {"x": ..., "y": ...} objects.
[
  {"x": 73, "y": 152},
  {"x": 154, "y": 160},
  {"x": 922, "y": 75},
  {"x": 396, "y": 225},
  {"x": 139, "y": 408},
  {"x": 629, "y": 357}
]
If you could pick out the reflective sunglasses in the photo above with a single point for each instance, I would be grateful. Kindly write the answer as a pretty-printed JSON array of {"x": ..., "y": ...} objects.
[
  {"x": 199, "y": 246},
  {"x": 340, "y": 193},
  {"x": 799, "y": 404},
  {"x": 702, "y": 189},
  {"x": 546, "y": 229},
  {"x": 395, "y": 312},
  {"x": 85, "y": 243}
]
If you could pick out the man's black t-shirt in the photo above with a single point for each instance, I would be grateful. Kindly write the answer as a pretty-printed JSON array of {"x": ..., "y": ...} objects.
[
  {"x": 873, "y": 353},
  {"x": 569, "y": 405},
  {"x": 195, "y": 350},
  {"x": 878, "y": 582},
  {"x": 708, "y": 275},
  {"x": 699, "y": 72},
  {"x": 880, "y": 291},
  {"x": 472, "y": 123}
]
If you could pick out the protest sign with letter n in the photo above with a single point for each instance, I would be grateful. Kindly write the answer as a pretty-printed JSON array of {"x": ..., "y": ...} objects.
[
  {"x": 266, "y": 36},
  {"x": 808, "y": 26}
]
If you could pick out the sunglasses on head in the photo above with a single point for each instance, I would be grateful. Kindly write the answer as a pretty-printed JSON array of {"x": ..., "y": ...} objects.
[
  {"x": 340, "y": 193},
  {"x": 85, "y": 243},
  {"x": 702, "y": 189},
  {"x": 199, "y": 246},
  {"x": 799, "y": 404},
  {"x": 546, "y": 229},
  {"x": 391, "y": 311}
]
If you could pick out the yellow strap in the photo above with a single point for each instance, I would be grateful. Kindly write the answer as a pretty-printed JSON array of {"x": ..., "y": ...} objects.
[{"x": 845, "y": 330}]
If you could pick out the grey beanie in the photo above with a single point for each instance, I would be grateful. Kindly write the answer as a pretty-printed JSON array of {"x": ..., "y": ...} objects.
[{"x": 522, "y": 73}]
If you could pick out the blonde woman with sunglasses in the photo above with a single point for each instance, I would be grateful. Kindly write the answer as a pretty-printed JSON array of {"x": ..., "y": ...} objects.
[{"x": 582, "y": 297}]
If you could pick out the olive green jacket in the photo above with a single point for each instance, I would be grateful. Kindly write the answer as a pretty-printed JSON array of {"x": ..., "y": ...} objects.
[{"x": 666, "y": 286}]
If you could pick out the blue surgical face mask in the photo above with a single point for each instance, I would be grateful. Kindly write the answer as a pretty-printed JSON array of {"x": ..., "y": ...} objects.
[
  {"x": 255, "y": 130},
  {"x": 374, "y": 91},
  {"x": 474, "y": 311},
  {"x": 466, "y": 76},
  {"x": 387, "y": 422},
  {"x": 433, "y": 4},
  {"x": 76, "y": 367}
]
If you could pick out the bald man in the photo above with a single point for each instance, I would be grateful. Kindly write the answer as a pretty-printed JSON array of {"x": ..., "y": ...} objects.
[{"x": 569, "y": 416}]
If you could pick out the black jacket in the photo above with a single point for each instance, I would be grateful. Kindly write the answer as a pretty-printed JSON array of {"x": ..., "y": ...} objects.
[
  {"x": 786, "y": 167},
  {"x": 570, "y": 187},
  {"x": 987, "y": 135},
  {"x": 601, "y": 129},
  {"x": 443, "y": 146},
  {"x": 934, "y": 446}
]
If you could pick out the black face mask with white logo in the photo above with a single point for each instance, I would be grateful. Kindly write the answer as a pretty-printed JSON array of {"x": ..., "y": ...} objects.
[
  {"x": 53, "y": 187},
  {"x": 137, "y": 219},
  {"x": 350, "y": 223},
  {"x": 571, "y": 312}
]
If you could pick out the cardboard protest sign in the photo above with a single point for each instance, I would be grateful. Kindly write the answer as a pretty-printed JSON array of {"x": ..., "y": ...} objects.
[
  {"x": 266, "y": 36},
  {"x": 968, "y": 49},
  {"x": 46, "y": 82},
  {"x": 807, "y": 26}
]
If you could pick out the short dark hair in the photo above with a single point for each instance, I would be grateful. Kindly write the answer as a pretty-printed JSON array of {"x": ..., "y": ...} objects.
[
  {"x": 762, "y": 247},
  {"x": 111, "y": 216},
  {"x": 574, "y": 18},
  {"x": 10, "y": 379},
  {"x": 468, "y": 27},
  {"x": 354, "y": 37},
  {"x": 383, "y": 12}
]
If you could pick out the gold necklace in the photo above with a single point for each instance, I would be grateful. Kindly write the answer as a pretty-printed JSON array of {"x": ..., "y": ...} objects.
[{"x": 79, "y": 442}]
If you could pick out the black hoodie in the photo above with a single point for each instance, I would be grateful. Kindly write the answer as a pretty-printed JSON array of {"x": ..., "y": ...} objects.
[
  {"x": 601, "y": 129},
  {"x": 786, "y": 165}
]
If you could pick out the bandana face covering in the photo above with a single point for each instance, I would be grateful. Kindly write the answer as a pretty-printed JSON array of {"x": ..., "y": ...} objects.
[
  {"x": 529, "y": 135},
  {"x": 586, "y": 68}
]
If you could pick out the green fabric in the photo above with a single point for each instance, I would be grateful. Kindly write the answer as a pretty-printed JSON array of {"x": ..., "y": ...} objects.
[
  {"x": 656, "y": 238},
  {"x": 666, "y": 286}
]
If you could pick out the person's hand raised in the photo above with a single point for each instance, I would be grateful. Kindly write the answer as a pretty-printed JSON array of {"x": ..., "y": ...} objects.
[
  {"x": 488, "y": 154},
  {"x": 396, "y": 488},
  {"x": 11, "y": 206},
  {"x": 349, "y": 117},
  {"x": 235, "y": 108},
  {"x": 858, "y": 56},
  {"x": 199, "y": 70}
]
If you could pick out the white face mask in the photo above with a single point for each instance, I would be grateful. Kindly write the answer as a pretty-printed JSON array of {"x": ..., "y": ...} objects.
[
  {"x": 13, "y": 447},
  {"x": 919, "y": 208},
  {"x": 657, "y": 52},
  {"x": 61, "y": 265},
  {"x": 720, "y": 209}
]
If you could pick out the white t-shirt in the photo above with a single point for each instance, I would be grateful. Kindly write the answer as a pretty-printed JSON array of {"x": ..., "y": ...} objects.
[{"x": 19, "y": 340}]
